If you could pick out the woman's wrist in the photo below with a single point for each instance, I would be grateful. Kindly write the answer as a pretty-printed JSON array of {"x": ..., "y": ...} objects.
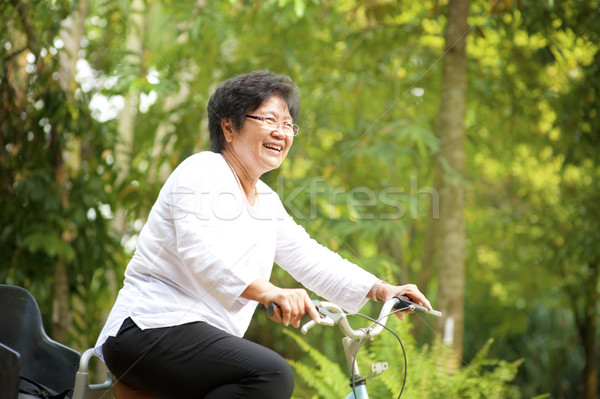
[
  {"x": 381, "y": 292},
  {"x": 260, "y": 290},
  {"x": 378, "y": 290}
]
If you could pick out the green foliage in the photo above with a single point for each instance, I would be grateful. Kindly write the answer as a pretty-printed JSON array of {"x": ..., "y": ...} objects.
[
  {"x": 483, "y": 377},
  {"x": 533, "y": 170}
]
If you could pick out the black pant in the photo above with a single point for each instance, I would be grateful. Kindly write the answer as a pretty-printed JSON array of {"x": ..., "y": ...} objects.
[{"x": 196, "y": 360}]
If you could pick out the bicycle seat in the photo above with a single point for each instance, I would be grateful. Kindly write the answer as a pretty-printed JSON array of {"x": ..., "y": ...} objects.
[{"x": 42, "y": 359}]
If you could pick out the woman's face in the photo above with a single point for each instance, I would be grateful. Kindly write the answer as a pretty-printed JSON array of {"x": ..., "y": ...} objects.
[{"x": 262, "y": 148}]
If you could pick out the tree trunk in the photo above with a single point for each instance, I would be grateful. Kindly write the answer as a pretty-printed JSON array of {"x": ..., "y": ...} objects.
[
  {"x": 61, "y": 316},
  {"x": 124, "y": 146},
  {"x": 428, "y": 250},
  {"x": 159, "y": 172},
  {"x": 588, "y": 324},
  {"x": 449, "y": 168},
  {"x": 427, "y": 259},
  {"x": 72, "y": 31}
]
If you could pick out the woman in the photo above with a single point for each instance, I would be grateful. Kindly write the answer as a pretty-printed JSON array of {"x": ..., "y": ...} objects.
[{"x": 204, "y": 258}]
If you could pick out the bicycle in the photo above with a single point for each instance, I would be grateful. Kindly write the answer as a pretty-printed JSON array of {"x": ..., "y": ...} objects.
[{"x": 332, "y": 315}]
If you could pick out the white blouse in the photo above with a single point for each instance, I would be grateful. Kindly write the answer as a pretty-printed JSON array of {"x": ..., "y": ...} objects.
[{"x": 201, "y": 247}]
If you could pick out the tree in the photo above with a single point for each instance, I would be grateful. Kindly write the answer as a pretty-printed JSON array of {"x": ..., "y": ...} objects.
[
  {"x": 53, "y": 226},
  {"x": 449, "y": 169}
]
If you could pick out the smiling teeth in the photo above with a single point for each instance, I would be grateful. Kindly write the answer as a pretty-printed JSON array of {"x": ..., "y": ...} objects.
[{"x": 274, "y": 147}]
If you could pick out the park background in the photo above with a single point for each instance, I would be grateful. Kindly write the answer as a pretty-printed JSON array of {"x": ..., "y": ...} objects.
[{"x": 449, "y": 143}]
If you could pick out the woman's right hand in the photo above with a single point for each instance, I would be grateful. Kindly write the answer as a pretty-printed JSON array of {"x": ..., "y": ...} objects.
[{"x": 293, "y": 302}]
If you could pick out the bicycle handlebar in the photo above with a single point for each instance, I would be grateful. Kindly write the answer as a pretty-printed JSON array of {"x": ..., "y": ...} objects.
[{"x": 333, "y": 314}]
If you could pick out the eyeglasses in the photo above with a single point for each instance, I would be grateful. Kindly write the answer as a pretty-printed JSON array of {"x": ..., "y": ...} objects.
[{"x": 288, "y": 128}]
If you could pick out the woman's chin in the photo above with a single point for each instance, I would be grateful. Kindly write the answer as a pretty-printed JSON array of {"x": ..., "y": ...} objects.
[{"x": 274, "y": 161}]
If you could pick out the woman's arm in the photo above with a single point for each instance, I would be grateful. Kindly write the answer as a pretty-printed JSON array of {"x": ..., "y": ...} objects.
[
  {"x": 319, "y": 269},
  {"x": 329, "y": 275}
]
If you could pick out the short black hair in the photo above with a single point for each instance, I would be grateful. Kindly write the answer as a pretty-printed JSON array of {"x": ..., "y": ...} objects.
[{"x": 243, "y": 94}]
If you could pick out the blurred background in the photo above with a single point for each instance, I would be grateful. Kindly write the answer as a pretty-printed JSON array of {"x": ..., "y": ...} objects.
[{"x": 448, "y": 143}]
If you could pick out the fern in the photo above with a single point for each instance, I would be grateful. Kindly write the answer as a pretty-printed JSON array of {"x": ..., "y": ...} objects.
[
  {"x": 428, "y": 375},
  {"x": 325, "y": 378}
]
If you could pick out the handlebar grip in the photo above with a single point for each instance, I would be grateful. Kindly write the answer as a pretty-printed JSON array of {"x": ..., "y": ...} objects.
[
  {"x": 274, "y": 312},
  {"x": 271, "y": 309},
  {"x": 405, "y": 303}
]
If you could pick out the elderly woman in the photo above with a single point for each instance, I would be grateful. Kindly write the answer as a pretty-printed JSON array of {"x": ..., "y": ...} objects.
[{"x": 204, "y": 259}]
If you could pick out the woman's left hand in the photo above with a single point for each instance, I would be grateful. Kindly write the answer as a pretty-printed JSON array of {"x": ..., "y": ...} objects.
[{"x": 387, "y": 291}]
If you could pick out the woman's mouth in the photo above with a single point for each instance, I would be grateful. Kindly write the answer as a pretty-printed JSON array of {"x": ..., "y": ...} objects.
[{"x": 273, "y": 147}]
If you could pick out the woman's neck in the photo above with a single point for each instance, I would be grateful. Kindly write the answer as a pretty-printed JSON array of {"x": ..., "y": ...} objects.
[{"x": 242, "y": 174}]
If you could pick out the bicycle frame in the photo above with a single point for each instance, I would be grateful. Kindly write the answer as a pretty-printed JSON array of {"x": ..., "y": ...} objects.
[
  {"x": 361, "y": 393},
  {"x": 333, "y": 314}
]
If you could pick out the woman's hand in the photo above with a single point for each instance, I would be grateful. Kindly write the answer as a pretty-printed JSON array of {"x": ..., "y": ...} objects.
[
  {"x": 386, "y": 291},
  {"x": 293, "y": 302}
]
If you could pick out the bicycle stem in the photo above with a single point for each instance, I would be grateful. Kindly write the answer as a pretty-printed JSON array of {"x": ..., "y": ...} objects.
[{"x": 350, "y": 348}]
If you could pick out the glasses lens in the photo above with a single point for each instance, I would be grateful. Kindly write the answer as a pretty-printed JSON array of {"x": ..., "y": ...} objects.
[
  {"x": 288, "y": 128},
  {"x": 295, "y": 129}
]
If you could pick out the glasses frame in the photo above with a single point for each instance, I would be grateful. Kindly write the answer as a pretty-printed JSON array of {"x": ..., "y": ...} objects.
[{"x": 271, "y": 122}]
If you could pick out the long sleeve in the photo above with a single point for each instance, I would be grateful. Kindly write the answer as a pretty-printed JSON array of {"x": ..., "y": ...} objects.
[{"x": 319, "y": 269}]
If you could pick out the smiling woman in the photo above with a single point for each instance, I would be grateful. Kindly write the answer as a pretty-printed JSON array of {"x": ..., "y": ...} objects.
[{"x": 204, "y": 259}]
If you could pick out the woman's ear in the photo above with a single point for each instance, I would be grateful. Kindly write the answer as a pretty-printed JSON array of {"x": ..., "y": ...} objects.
[{"x": 228, "y": 130}]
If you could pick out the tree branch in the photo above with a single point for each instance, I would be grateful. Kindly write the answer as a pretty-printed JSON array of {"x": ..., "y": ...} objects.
[{"x": 32, "y": 42}]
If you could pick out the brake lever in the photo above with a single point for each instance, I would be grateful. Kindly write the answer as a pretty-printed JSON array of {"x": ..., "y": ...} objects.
[
  {"x": 336, "y": 317},
  {"x": 328, "y": 318}
]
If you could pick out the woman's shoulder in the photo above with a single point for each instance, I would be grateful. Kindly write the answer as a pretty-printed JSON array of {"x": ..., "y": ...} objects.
[
  {"x": 201, "y": 162},
  {"x": 200, "y": 168},
  {"x": 207, "y": 158}
]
